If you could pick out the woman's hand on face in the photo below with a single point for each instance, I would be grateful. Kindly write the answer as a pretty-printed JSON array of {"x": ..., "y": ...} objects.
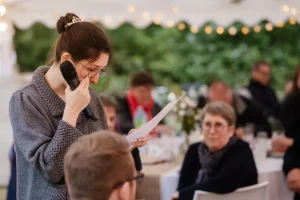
[{"x": 76, "y": 101}]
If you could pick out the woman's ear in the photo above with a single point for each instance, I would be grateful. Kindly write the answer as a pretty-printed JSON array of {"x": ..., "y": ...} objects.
[
  {"x": 65, "y": 57},
  {"x": 231, "y": 130}
]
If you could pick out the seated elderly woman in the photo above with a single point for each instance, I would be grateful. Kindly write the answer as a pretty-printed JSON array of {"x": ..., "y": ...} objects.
[{"x": 221, "y": 163}]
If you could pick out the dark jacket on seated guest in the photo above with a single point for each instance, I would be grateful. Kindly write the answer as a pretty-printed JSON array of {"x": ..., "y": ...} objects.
[
  {"x": 247, "y": 112},
  {"x": 125, "y": 118},
  {"x": 265, "y": 97},
  {"x": 291, "y": 111},
  {"x": 225, "y": 171}
]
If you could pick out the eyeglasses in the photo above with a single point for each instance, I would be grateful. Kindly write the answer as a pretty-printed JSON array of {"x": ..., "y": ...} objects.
[
  {"x": 94, "y": 72},
  {"x": 139, "y": 178},
  {"x": 218, "y": 127}
]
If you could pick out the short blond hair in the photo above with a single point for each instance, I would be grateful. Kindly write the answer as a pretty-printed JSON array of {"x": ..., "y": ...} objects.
[
  {"x": 219, "y": 108},
  {"x": 96, "y": 163}
]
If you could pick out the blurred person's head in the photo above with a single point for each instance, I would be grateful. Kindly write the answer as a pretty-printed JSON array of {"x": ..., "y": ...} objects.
[
  {"x": 99, "y": 166},
  {"x": 296, "y": 80},
  {"x": 141, "y": 85},
  {"x": 84, "y": 44},
  {"x": 261, "y": 72},
  {"x": 217, "y": 124},
  {"x": 288, "y": 87},
  {"x": 110, "y": 108},
  {"x": 220, "y": 91}
]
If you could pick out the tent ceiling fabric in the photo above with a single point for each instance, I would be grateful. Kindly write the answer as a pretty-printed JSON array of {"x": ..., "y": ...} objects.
[{"x": 143, "y": 12}]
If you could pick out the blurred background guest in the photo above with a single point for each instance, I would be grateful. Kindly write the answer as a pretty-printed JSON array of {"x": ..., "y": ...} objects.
[
  {"x": 262, "y": 93},
  {"x": 247, "y": 112},
  {"x": 99, "y": 166},
  {"x": 138, "y": 107},
  {"x": 12, "y": 186},
  {"x": 110, "y": 108},
  {"x": 211, "y": 164}
]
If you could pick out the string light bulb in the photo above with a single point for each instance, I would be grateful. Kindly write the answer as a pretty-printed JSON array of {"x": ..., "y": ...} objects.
[
  {"x": 292, "y": 21},
  {"x": 181, "y": 26},
  {"x": 285, "y": 8},
  {"x": 2, "y": 10},
  {"x": 146, "y": 15},
  {"x": 220, "y": 30},
  {"x": 294, "y": 11},
  {"x": 131, "y": 8},
  {"x": 170, "y": 23},
  {"x": 245, "y": 30},
  {"x": 3, "y": 27},
  {"x": 232, "y": 31},
  {"x": 208, "y": 30},
  {"x": 175, "y": 9},
  {"x": 269, "y": 27},
  {"x": 280, "y": 25},
  {"x": 194, "y": 29},
  {"x": 256, "y": 28}
]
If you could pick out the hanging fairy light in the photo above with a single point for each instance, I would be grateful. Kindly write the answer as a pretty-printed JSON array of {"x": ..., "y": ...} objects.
[
  {"x": 220, "y": 30},
  {"x": 2, "y": 10},
  {"x": 292, "y": 21},
  {"x": 181, "y": 26},
  {"x": 245, "y": 30},
  {"x": 294, "y": 11},
  {"x": 285, "y": 8},
  {"x": 194, "y": 29},
  {"x": 146, "y": 15},
  {"x": 280, "y": 24},
  {"x": 175, "y": 9},
  {"x": 208, "y": 30},
  {"x": 131, "y": 8},
  {"x": 232, "y": 31},
  {"x": 157, "y": 21},
  {"x": 269, "y": 27},
  {"x": 3, "y": 27},
  {"x": 170, "y": 23},
  {"x": 256, "y": 28}
]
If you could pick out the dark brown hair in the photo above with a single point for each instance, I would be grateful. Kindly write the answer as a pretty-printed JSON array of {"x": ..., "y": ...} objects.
[
  {"x": 257, "y": 64},
  {"x": 96, "y": 163},
  {"x": 219, "y": 108},
  {"x": 83, "y": 40},
  {"x": 108, "y": 101},
  {"x": 141, "y": 78}
]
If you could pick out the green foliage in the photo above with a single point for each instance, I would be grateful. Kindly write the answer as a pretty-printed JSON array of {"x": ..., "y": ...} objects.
[{"x": 176, "y": 57}]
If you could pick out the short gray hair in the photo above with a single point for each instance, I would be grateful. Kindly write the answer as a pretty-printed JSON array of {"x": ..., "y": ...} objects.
[{"x": 219, "y": 108}]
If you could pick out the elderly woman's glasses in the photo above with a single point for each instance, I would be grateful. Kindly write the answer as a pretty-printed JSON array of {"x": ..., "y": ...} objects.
[
  {"x": 139, "y": 178},
  {"x": 218, "y": 127},
  {"x": 94, "y": 72}
]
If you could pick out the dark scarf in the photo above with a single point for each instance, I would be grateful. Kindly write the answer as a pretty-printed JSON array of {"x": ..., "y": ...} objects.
[{"x": 210, "y": 160}]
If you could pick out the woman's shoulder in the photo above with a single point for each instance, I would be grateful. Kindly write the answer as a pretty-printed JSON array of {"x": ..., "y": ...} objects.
[
  {"x": 25, "y": 92},
  {"x": 240, "y": 148}
]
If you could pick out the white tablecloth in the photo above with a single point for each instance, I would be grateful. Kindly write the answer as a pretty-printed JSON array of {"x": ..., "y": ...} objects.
[{"x": 269, "y": 170}]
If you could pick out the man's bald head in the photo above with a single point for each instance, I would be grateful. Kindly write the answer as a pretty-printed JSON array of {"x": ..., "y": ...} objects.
[{"x": 220, "y": 91}]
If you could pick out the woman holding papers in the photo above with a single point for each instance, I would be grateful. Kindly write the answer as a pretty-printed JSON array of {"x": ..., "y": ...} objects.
[
  {"x": 46, "y": 115},
  {"x": 221, "y": 163}
]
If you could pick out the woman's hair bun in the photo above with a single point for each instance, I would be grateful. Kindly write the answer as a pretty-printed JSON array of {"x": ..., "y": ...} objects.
[{"x": 63, "y": 20}]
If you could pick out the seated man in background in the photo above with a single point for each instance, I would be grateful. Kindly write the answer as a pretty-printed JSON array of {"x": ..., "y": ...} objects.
[
  {"x": 99, "y": 166},
  {"x": 110, "y": 108},
  {"x": 262, "y": 93},
  {"x": 247, "y": 112},
  {"x": 139, "y": 101},
  {"x": 221, "y": 163}
]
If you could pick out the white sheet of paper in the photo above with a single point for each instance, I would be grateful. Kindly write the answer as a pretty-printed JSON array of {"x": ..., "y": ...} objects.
[{"x": 145, "y": 129}]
